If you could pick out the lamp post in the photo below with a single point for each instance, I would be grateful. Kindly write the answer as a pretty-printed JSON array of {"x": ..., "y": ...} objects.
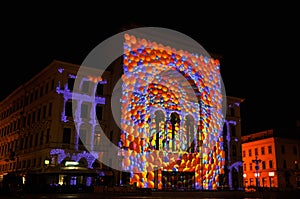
[{"x": 256, "y": 161}]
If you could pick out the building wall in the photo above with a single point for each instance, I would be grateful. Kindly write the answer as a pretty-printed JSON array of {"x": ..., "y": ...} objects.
[
  {"x": 283, "y": 173},
  {"x": 232, "y": 138}
]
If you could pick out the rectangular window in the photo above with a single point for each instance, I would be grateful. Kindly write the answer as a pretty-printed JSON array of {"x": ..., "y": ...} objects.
[
  {"x": 41, "y": 91},
  {"x": 244, "y": 154},
  {"x": 270, "y": 149},
  {"x": 97, "y": 138},
  {"x": 71, "y": 82},
  {"x": 270, "y": 164},
  {"x": 68, "y": 108},
  {"x": 85, "y": 86},
  {"x": 48, "y": 136},
  {"x": 250, "y": 153},
  {"x": 36, "y": 139},
  {"x": 46, "y": 88},
  {"x": 33, "y": 117},
  {"x": 262, "y": 150},
  {"x": 66, "y": 136},
  {"x": 39, "y": 115},
  {"x": 295, "y": 151},
  {"x": 99, "y": 112},
  {"x": 233, "y": 130},
  {"x": 232, "y": 111},
  {"x": 44, "y": 111},
  {"x": 84, "y": 111},
  {"x": 42, "y": 138},
  {"x": 250, "y": 166},
  {"x": 36, "y": 94},
  {"x": 50, "y": 109},
  {"x": 99, "y": 90},
  {"x": 263, "y": 165},
  {"x": 52, "y": 84},
  {"x": 244, "y": 166},
  {"x": 82, "y": 134}
]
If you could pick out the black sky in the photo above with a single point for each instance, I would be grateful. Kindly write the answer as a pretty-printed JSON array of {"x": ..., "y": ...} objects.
[{"x": 258, "y": 44}]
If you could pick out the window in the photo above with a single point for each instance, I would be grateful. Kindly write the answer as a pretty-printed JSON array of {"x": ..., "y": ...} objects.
[
  {"x": 66, "y": 135},
  {"x": 41, "y": 91},
  {"x": 282, "y": 149},
  {"x": 50, "y": 109},
  {"x": 71, "y": 82},
  {"x": 270, "y": 164},
  {"x": 36, "y": 139},
  {"x": 231, "y": 111},
  {"x": 42, "y": 138},
  {"x": 99, "y": 90},
  {"x": 263, "y": 164},
  {"x": 262, "y": 150},
  {"x": 244, "y": 154},
  {"x": 99, "y": 111},
  {"x": 85, "y": 87},
  {"x": 270, "y": 149},
  {"x": 84, "y": 111},
  {"x": 52, "y": 84},
  {"x": 295, "y": 151},
  {"x": 256, "y": 151},
  {"x": 39, "y": 114},
  {"x": 44, "y": 111},
  {"x": 249, "y": 153},
  {"x": 82, "y": 136},
  {"x": 33, "y": 117},
  {"x": 233, "y": 130},
  {"x": 244, "y": 166},
  {"x": 46, "y": 88},
  {"x": 250, "y": 166},
  {"x": 36, "y": 94},
  {"x": 68, "y": 108},
  {"x": 284, "y": 164},
  {"x": 48, "y": 136},
  {"x": 251, "y": 182}
]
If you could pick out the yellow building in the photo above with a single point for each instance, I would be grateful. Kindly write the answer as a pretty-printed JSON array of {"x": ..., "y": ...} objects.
[{"x": 270, "y": 160}]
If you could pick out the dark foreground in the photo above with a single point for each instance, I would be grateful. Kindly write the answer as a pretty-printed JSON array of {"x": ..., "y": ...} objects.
[{"x": 164, "y": 195}]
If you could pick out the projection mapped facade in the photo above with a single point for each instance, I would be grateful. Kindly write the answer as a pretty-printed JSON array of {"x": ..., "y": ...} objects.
[{"x": 172, "y": 117}]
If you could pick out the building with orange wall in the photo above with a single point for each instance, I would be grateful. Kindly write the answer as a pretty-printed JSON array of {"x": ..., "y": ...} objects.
[{"x": 271, "y": 160}]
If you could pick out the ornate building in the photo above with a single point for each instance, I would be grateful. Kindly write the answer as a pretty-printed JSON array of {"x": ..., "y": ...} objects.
[{"x": 60, "y": 124}]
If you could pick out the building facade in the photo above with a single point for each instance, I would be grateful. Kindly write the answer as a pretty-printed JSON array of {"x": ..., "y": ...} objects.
[
  {"x": 38, "y": 134},
  {"x": 171, "y": 133},
  {"x": 270, "y": 160},
  {"x": 232, "y": 133}
]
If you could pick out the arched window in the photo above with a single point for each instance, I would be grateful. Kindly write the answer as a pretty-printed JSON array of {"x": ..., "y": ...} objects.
[
  {"x": 175, "y": 120},
  {"x": 159, "y": 129},
  {"x": 189, "y": 126}
]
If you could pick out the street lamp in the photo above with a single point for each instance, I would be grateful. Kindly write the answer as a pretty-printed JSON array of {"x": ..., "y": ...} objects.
[{"x": 256, "y": 161}]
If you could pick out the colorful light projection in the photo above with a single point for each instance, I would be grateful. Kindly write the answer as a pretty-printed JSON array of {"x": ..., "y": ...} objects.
[{"x": 171, "y": 116}]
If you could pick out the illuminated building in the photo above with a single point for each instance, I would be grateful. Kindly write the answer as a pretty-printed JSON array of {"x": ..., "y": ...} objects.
[
  {"x": 172, "y": 123},
  {"x": 172, "y": 140},
  {"x": 278, "y": 160},
  {"x": 232, "y": 177},
  {"x": 37, "y": 132}
]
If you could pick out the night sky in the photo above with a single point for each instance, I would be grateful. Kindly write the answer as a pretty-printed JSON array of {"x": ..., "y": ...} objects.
[{"x": 258, "y": 46}]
